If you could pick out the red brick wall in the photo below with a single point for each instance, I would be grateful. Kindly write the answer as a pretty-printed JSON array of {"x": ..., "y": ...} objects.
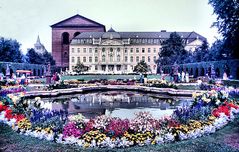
[{"x": 58, "y": 48}]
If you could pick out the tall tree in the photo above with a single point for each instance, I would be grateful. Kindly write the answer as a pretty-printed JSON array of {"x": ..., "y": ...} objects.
[
  {"x": 142, "y": 67},
  {"x": 172, "y": 50},
  {"x": 201, "y": 53},
  {"x": 47, "y": 57},
  {"x": 10, "y": 50},
  {"x": 33, "y": 57},
  {"x": 227, "y": 12}
]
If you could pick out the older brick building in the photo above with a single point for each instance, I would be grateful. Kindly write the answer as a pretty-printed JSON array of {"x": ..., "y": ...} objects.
[{"x": 64, "y": 31}]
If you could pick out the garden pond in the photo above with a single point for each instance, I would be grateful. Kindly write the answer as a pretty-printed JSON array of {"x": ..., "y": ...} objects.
[{"x": 122, "y": 104}]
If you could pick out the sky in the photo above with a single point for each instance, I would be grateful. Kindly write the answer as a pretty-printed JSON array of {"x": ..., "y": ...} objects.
[{"x": 24, "y": 20}]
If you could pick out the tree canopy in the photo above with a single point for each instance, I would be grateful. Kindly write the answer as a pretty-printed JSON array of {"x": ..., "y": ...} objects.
[
  {"x": 33, "y": 57},
  {"x": 80, "y": 67},
  {"x": 172, "y": 50},
  {"x": 142, "y": 67},
  {"x": 227, "y": 12},
  {"x": 10, "y": 50}
]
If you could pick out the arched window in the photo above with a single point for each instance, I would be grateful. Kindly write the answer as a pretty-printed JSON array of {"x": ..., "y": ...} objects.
[
  {"x": 111, "y": 50},
  {"x": 76, "y": 33},
  {"x": 118, "y": 50},
  {"x": 65, "y": 38},
  {"x": 111, "y": 58},
  {"x": 103, "y": 50},
  {"x": 118, "y": 58},
  {"x": 65, "y": 54},
  {"x": 103, "y": 58}
]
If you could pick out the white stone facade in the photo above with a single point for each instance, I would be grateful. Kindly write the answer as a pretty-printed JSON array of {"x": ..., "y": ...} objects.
[{"x": 114, "y": 53}]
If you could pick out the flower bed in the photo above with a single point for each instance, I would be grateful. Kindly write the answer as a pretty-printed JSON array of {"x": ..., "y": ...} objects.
[{"x": 210, "y": 111}]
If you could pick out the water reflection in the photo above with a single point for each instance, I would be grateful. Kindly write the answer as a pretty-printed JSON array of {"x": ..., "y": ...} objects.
[{"x": 121, "y": 104}]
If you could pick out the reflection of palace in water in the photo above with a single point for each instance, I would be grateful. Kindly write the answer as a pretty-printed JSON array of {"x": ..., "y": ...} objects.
[{"x": 99, "y": 102}]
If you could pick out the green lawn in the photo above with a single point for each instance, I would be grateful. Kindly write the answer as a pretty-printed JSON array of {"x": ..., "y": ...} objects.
[{"x": 224, "y": 140}]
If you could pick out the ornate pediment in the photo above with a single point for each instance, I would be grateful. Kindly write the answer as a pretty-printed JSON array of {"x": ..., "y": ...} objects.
[{"x": 111, "y": 42}]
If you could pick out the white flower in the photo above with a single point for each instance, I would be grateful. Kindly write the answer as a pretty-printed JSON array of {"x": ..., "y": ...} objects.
[
  {"x": 169, "y": 137},
  {"x": 159, "y": 140},
  {"x": 182, "y": 136}
]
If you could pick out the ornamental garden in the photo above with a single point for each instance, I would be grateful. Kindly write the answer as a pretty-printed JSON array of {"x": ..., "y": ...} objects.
[{"x": 96, "y": 113}]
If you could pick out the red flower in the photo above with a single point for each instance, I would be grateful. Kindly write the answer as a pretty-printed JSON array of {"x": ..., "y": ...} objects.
[
  {"x": 2, "y": 107},
  {"x": 19, "y": 117},
  {"x": 8, "y": 114}
]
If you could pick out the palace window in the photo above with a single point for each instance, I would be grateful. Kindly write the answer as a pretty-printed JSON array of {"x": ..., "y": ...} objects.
[
  {"x": 103, "y": 58},
  {"x": 96, "y": 67},
  {"x": 154, "y": 58},
  {"x": 131, "y": 59},
  {"x": 73, "y": 59},
  {"x": 84, "y": 50},
  {"x": 78, "y": 50},
  {"x": 90, "y": 50},
  {"x": 118, "y": 58},
  {"x": 72, "y": 50},
  {"x": 125, "y": 50},
  {"x": 137, "y": 50},
  {"x": 148, "y": 58},
  {"x": 90, "y": 59},
  {"x": 143, "y": 50},
  {"x": 149, "y": 50},
  {"x": 78, "y": 59},
  {"x": 103, "y": 50},
  {"x": 84, "y": 59},
  {"x": 111, "y": 50},
  {"x": 154, "y": 50},
  {"x": 96, "y": 50},
  {"x": 131, "y": 50},
  {"x": 125, "y": 67},
  {"x": 143, "y": 58},
  {"x": 137, "y": 58},
  {"x": 96, "y": 59},
  {"x": 126, "y": 59},
  {"x": 118, "y": 50},
  {"x": 111, "y": 58}
]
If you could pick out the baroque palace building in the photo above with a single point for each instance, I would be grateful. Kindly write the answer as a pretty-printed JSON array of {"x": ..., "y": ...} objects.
[
  {"x": 81, "y": 39},
  {"x": 118, "y": 52}
]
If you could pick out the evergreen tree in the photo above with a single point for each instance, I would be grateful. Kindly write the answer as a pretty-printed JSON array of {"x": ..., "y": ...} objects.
[
  {"x": 201, "y": 53},
  {"x": 33, "y": 57},
  {"x": 172, "y": 50},
  {"x": 10, "y": 51},
  {"x": 47, "y": 57}
]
